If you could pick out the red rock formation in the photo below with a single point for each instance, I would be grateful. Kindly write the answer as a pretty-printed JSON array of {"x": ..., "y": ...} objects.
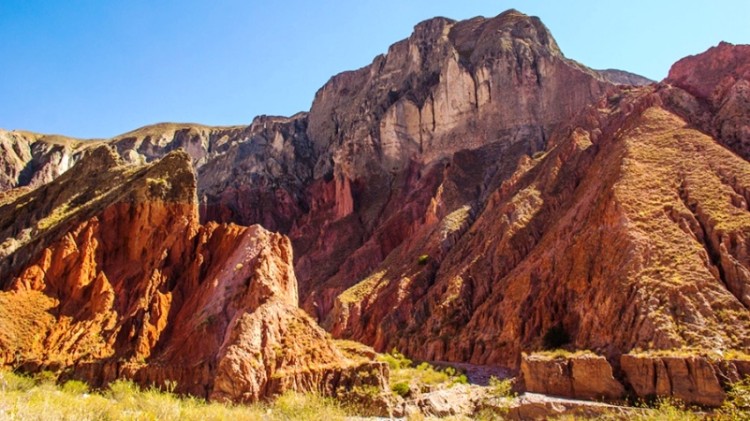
[
  {"x": 578, "y": 376},
  {"x": 616, "y": 234},
  {"x": 136, "y": 288},
  {"x": 691, "y": 378},
  {"x": 714, "y": 93},
  {"x": 465, "y": 193}
]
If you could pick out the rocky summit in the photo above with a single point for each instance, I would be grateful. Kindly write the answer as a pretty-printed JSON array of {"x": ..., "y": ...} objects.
[{"x": 471, "y": 196}]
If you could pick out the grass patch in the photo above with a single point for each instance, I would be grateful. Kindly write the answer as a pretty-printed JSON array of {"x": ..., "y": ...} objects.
[
  {"x": 553, "y": 354},
  {"x": 362, "y": 289},
  {"x": 27, "y": 398},
  {"x": 688, "y": 352},
  {"x": 668, "y": 410},
  {"x": 407, "y": 377}
]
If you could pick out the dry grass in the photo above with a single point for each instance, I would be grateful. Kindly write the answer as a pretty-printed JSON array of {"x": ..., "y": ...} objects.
[
  {"x": 407, "y": 376},
  {"x": 22, "y": 314},
  {"x": 676, "y": 185},
  {"x": 562, "y": 353},
  {"x": 362, "y": 289},
  {"x": 687, "y": 352},
  {"x": 23, "y": 398}
]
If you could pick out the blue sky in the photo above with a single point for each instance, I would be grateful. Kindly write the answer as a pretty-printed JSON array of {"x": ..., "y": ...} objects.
[{"x": 99, "y": 68}]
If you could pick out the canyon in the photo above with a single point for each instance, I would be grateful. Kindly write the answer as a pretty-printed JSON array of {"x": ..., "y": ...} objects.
[{"x": 458, "y": 199}]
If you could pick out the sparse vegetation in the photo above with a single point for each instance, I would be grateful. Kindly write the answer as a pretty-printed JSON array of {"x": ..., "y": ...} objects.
[
  {"x": 562, "y": 353},
  {"x": 501, "y": 388},
  {"x": 401, "y": 388},
  {"x": 27, "y": 398},
  {"x": 423, "y": 259},
  {"x": 668, "y": 410},
  {"x": 737, "y": 404},
  {"x": 362, "y": 289},
  {"x": 714, "y": 355},
  {"x": 406, "y": 377}
]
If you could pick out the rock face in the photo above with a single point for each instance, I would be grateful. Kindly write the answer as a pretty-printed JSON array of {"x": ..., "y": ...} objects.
[
  {"x": 713, "y": 92},
  {"x": 114, "y": 277},
  {"x": 28, "y": 159},
  {"x": 580, "y": 377},
  {"x": 469, "y": 191},
  {"x": 693, "y": 380},
  {"x": 621, "y": 77},
  {"x": 621, "y": 233}
]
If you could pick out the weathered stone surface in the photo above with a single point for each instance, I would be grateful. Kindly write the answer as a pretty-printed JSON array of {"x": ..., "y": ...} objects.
[
  {"x": 458, "y": 400},
  {"x": 694, "y": 380},
  {"x": 714, "y": 93},
  {"x": 30, "y": 159},
  {"x": 531, "y": 406},
  {"x": 621, "y": 77},
  {"x": 579, "y": 376}
]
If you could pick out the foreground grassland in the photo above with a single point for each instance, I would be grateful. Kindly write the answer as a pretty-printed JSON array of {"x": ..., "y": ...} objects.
[
  {"x": 40, "y": 398},
  {"x": 25, "y": 398}
]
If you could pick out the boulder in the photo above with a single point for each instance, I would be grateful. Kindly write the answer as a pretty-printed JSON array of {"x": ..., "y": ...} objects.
[{"x": 584, "y": 376}]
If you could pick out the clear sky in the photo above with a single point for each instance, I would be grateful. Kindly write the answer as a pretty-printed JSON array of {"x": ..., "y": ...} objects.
[{"x": 98, "y": 68}]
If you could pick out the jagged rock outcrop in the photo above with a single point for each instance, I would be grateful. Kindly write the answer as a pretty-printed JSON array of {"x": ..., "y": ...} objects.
[
  {"x": 689, "y": 377},
  {"x": 621, "y": 77},
  {"x": 429, "y": 129},
  {"x": 712, "y": 90},
  {"x": 692, "y": 379},
  {"x": 253, "y": 174},
  {"x": 115, "y": 277},
  {"x": 578, "y": 376},
  {"x": 29, "y": 159}
]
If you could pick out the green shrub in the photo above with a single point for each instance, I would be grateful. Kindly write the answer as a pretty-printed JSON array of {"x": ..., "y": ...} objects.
[
  {"x": 501, "y": 388},
  {"x": 737, "y": 403},
  {"x": 668, "y": 410},
  {"x": 395, "y": 360},
  {"x": 12, "y": 382},
  {"x": 75, "y": 387},
  {"x": 423, "y": 259},
  {"x": 555, "y": 337},
  {"x": 45, "y": 377},
  {"x": 402, "y": 389},
  {"x": 123, "y": 389}
]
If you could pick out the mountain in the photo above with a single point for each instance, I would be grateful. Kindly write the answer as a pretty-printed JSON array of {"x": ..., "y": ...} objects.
[
  {"x": 113, "y": 277},
  {"x": 469, "y": 196}
]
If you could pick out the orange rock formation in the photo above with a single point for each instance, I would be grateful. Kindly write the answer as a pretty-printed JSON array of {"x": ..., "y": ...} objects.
[{"x": 135, "y": 287}]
